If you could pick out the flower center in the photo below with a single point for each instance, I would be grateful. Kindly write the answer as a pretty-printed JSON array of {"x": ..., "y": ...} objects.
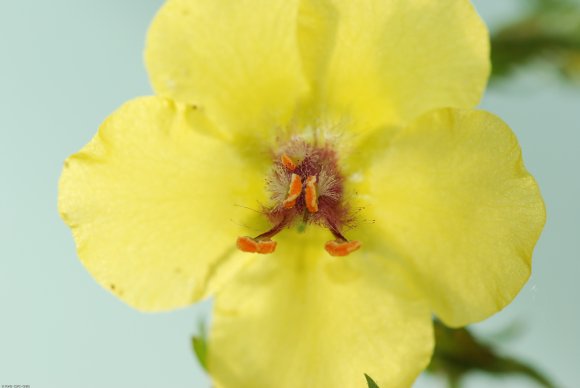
[{"x": 306, "y": 187}]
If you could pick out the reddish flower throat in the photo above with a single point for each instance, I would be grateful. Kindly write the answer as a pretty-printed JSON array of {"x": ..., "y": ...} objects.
[{"x": 306, "y": 187}]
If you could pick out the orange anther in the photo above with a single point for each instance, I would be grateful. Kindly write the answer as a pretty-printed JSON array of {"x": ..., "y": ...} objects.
[
  {"x": 341, "y": 247},
  {"x": 252, "y": 245},
  {"x": 247, "y": 244},
  {"x": 266, "y": 246},
  {"x": 310, "y": 194},
  {"x": 288, "y": 162},
  {"x": 293, "y": 192}
]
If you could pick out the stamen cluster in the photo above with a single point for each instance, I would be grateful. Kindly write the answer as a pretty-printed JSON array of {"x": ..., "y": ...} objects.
[{"x": 306, "y": 187}]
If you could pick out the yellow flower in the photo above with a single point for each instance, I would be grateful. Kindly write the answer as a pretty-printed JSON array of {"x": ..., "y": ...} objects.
[{"x": 293, "y": 126}]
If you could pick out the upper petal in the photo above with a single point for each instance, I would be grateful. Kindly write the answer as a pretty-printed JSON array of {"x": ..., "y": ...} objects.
[
  {"x": 377, "y": 62},
  {"x": 239, "y": 59},
  {"x": 451, "y": 194},
  {"x": 152, "y": 204},
  {"x": 301, "y": 318}
]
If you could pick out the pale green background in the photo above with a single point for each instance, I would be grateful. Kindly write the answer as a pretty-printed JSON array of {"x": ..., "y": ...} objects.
[{"x": 65, "y": 65}]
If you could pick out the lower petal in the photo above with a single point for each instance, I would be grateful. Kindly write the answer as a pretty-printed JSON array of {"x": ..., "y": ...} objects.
[
  {"x": 452, "y": 195},
  {"x": 300, "y": 319}
]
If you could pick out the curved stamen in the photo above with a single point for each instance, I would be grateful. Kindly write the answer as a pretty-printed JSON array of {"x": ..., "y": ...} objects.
[
  {"x": 335, "y": 232},
  {"x": 341, "y": 246},
  {"x": 262, "y": 243}
]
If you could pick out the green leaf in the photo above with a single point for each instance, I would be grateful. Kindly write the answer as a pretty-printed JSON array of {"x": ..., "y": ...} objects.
[
  {"x": 370, "y": 382},
  {"x": 199, "y": 345}
]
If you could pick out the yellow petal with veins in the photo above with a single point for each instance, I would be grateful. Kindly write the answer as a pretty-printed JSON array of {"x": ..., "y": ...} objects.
[
  {"x": 238, "y": 60},
  {"x": 377, "y": 62},
  {"x": 301, "y": 318},
  {"x": 451, "y": 194},
  {"x": 152, "y": 204}
]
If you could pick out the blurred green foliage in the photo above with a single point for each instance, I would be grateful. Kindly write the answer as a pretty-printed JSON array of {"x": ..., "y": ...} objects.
[
  {"x": 458, "y": 352},
  {"x": 548, "y": 33}
]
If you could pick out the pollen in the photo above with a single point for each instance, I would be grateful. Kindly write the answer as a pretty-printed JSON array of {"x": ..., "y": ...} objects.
[
  {"x": 294, "y": 192},
  {"x": 341, "y": 248},
  {"x": 255, "y": 245},
  {"x": 288, "y": 162}
]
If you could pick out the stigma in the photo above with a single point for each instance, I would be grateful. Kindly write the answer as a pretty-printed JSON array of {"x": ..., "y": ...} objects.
[{"x": 306, "y": 187}]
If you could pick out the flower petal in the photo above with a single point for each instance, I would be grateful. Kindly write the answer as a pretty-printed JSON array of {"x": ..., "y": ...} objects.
[
  {"x": 239, "y": 59},
  {"x": 151, "y": 202},
  {"x": 301, "y": 318},
  {"x": 451, "y": 194},
  {"x": 386, "y": 62}
]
